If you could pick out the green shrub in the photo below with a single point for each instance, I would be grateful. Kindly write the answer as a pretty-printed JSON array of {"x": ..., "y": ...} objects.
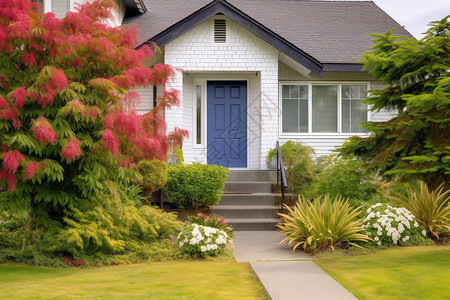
[
  {"x": 175, "y": 156},
  {"x": 195, "y": 185},
  {"x": 388, "y": 225},
  {"x": 115, "y": 233},
  {"x": 198, "y": 240},
  {"x": 347, "y": 178},
  {"x": 431, "y": 208},
  {"x": 154, "y": 175},
  {"x": 212, "y": 221},
  {"x": 321, "y": 224},
  {"x": 298, "y": 164}
]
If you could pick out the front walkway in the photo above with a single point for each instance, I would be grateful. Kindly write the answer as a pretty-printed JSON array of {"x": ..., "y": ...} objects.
[{"x": 285, "y": 275}]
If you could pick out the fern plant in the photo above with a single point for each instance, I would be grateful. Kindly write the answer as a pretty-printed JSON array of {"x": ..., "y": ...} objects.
[{"x": 321, "y": 224}]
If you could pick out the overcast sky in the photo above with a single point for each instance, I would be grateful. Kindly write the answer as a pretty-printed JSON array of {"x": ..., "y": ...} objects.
[{"x": 415, "y": 14}]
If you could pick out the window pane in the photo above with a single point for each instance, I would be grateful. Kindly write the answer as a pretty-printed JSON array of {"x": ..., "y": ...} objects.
[
  {"x": 290, "y": 115},
  {"x": 324, "y": 108},
  {"x": 294, "y": 108},
  {"x": 199, "y": 114},
  {"x": 353, "y": 111}
]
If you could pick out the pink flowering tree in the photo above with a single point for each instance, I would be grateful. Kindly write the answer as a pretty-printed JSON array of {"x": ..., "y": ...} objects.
[{"x": 67, "y": 143}]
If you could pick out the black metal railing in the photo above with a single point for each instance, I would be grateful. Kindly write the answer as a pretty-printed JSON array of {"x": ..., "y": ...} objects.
[{"x": 281, "y": 176}]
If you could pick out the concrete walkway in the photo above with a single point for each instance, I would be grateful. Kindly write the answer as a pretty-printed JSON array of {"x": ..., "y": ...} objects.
[{"x": 285, "y": 275}]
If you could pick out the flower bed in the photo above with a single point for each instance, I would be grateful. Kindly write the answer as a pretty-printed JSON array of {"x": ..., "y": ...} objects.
[
  {"x": 391, "y": 225},
  {"x": 198, "y": 240}
]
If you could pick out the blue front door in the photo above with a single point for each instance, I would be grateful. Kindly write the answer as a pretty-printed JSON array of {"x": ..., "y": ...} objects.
[{"x": 227, "y": 123}]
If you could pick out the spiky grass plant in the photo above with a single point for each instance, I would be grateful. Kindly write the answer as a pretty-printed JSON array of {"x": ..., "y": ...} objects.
[
  {"x": 321, "y": 224},
  {"x": 430, "y": 207}
]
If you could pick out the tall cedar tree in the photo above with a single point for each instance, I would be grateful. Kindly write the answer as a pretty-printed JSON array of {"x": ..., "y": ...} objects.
[
  {"x": 67, "y": 143},
  {"x": 416, "y": 143}
]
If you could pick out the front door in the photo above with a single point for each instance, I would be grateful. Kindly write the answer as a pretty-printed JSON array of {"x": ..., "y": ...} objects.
[{"x": 227, "y": 123}]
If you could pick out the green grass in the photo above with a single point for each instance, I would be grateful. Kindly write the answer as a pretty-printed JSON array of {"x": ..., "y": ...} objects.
[
  {"x": 400, "y": 273},
  {"x": 165, "y": 280}
]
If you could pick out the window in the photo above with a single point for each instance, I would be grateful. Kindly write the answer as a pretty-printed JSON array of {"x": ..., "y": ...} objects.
[
  {"x": 199, "y": 113},
  {"x": 323, "y": 108}
]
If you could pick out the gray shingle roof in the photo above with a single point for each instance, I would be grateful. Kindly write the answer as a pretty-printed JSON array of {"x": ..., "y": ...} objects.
[{"x": 330, "y": 31}]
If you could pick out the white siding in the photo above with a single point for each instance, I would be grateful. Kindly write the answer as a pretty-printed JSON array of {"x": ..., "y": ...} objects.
[{"x": 243, "y": 57}]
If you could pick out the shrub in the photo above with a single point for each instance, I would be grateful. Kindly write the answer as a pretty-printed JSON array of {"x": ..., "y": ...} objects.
[
  {"x": 195, "y": 185},
  {"x": 347, "y": 178},
  {"x": 298, "y": 164},
  {"x": 175, "y": 156},
  {"x": 388, "y": 225},
  {"x": 198, "y": 240},
  {"x": 154, "y": 175},
  {"x": 431, "y": 208},
  {"x": 212, "y": 221},
  {"x": 114, "y": 234},
  {"x": 321, "y": 224}
]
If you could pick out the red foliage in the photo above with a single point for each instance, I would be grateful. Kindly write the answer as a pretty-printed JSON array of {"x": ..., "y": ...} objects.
[
  {"x": 32, "y": 168},
  {"x": 72, "y": 262},
  {"x": 12, "y": 160},
  {"x": 71, "y": 150},
  {"x": 100, "y": 63},
  {"x": 19, "y": 93},
  {"x": 43, "y": 131},
  {"x": 110, "y": 141}
]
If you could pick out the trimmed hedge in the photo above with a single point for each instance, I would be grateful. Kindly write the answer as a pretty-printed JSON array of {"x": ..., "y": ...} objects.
[{"x": 195, "y": 185}]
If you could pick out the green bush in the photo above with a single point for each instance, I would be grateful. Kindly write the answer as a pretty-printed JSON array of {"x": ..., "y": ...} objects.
[
  {"x": 175, "y": 156},
  {"x": 431, "y": 208},
  {"x": 195, "y": 185},
  {"x": 202, "y": 241},
  {"x": 115, "y": 234},
  {"x": 212, "y": 221},
  {"x": 154, "y": 175},
  {"x": 347, "y": 178},
  {"x": 388, "y": 225},
  {"x": 298, "y": 164},
  {"x": 321, "y": 224}
]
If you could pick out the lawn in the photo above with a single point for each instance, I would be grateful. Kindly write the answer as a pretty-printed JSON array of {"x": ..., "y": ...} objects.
[
  {"x": 400, "y": 273},
  {"x": 165, "y": 280}
]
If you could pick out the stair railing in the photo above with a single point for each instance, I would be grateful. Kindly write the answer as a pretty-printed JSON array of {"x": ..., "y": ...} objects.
[{"x": 281, "y": 176}]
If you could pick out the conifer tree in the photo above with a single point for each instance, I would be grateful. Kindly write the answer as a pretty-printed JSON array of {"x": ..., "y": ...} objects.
[
  {"x": 69, "y": 149},
  {"x": 415, "y": 144}
]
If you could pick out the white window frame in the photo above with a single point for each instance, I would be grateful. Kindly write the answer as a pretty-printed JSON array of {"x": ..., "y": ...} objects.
[
  {"x": 310, "y": 84},
  {"x": 202, "y": 84}
]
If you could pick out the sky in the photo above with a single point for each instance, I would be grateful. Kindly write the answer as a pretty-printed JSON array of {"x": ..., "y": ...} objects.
[{"x": 415, "y": 14}]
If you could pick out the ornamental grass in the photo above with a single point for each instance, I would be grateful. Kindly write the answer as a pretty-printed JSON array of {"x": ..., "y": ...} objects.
[
  {"x": 430, "y": 207},
  {"x": 322, "y": 224}
]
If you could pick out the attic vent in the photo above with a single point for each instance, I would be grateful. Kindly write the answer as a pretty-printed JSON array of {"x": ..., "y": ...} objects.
[{"x": 220, "y": 31}]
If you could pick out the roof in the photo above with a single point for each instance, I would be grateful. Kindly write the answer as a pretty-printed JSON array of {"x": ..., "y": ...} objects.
[{"x": 332, "y": 33}]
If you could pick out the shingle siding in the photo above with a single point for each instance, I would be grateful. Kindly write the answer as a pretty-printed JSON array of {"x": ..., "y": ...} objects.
[{"x": 244, "y": 56}]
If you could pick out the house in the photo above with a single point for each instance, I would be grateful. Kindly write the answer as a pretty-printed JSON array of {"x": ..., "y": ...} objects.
[
  {"x": 61, "y": 7},
  {"x": 256, "y": 71}
]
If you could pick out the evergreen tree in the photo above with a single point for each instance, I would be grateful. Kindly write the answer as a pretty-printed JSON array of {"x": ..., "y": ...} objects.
[{"x": 416, "y": 143}]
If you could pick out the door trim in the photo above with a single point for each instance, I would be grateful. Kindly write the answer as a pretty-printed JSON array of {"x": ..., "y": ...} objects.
[{"x": 248, "y": 119}]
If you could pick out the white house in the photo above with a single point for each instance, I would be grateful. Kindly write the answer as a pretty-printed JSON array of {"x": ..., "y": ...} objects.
[{"x": 256, "y": 71}]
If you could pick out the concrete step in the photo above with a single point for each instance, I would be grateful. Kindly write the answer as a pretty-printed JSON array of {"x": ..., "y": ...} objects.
[
  {"x": 252, "y": 175},
  {"x": 246, "y": 211},
  {"x": 249, "y": 186},
  {"x": 260, "y": 224},
  {"x": 248, "y": 199}
]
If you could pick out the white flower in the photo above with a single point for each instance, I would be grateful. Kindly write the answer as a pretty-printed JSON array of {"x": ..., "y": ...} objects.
[
  {"x": 379, "y": 233},
  {"x": 416, "y": 224},
  {"x": 424, "y": 233},
  {"x": 181, "y": 244},
  {"x": 379, "y": 243},
  {"x": 376, "y": 239},
  {"x": 203, "y": 248}
]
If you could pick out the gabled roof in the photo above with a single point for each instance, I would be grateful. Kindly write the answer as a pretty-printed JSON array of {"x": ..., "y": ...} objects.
[{"x": 321, "y": 35}]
